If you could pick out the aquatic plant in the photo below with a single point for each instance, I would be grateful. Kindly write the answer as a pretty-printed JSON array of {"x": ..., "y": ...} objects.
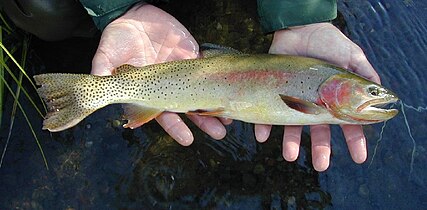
[{"x": 8, "y": 66}]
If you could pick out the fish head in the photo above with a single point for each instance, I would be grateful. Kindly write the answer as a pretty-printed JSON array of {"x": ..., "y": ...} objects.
[{"x": 356, "y": 100}]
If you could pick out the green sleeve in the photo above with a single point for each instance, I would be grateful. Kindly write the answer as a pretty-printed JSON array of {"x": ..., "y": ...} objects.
[
  {"x": 280, "y": 14},
  {"x": 105, "y": 11}
]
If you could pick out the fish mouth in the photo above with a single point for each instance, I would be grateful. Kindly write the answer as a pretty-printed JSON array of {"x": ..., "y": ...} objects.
[{"x": 379, "y": 107}]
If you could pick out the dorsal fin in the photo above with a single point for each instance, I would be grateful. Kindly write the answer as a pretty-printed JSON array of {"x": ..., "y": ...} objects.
[
  {"x": 123, "y": 68},
  {"x": 211, "y": 50}
]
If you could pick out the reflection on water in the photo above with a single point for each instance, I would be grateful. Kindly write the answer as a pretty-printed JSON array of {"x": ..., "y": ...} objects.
[{"x": 99, "y": 165}]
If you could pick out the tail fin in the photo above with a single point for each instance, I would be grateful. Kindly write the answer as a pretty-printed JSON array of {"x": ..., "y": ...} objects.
[{"x": 65, "y": 99}]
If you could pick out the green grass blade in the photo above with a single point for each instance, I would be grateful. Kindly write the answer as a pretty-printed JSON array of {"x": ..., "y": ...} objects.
[
  {"x": 8, "y": 29},
  {"x": 17, "y": 64},
  {"x": 20, "y": 86},
  {"x": 26, "y": 75},
  {"x": 15, "y": 103},
  {"x": 13, "y": 50},
  {"x": 5, "y": 27},
  {"x": 12, "y": 121},
  {"x": 1, "y": 75},
  {"x": 28, "y": 122}
]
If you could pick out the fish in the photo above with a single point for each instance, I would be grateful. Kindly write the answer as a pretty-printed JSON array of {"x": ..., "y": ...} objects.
[{"x": 254, "y": 88}]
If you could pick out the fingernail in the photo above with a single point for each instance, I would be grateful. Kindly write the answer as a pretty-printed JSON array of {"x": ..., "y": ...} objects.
[
  {"x": 217, "y": 132},
  {"x": 291, "y": 153},
  {"x": 321, "y": 162},
  {"x": 185, "y": 138},
  {"x": 359, "y": 158},
  {"x": 261, "y": 134}
]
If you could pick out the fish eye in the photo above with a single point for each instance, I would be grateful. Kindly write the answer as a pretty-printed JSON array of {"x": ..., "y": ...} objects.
[{"x": 374, "y": 91}]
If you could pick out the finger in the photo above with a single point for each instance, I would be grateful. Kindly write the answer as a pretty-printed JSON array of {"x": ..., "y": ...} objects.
[
  {"x": 176, "y": 128},
  {"x": 356, "y": 142},
  {"x": 225, "y": 121},
  {"x": 360, "y": 65},
  {"x": 262, "y": 132},
  {"x": 210, "y": 125},
  {"x": 320, "y": 146},
  {"x": 291, "y": 142},
  {"x": 101, "y": 65}
]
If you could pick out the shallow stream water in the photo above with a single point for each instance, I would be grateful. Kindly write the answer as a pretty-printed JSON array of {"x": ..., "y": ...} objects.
[{"x": 100, "y": 165}]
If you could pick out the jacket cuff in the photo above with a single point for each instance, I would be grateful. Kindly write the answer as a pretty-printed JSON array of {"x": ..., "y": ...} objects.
[
  {"x": 281, "y": 14},
  {"x": 103, "y": 12}
]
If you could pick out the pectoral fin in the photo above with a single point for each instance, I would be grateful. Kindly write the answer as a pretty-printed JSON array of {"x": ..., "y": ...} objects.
[
  {"x": 301, "y": 105},
  {"x": 138, "y": 115}
]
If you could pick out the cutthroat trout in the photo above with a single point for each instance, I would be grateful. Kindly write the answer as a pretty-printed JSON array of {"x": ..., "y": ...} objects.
[{"x": 262, "y": 88}]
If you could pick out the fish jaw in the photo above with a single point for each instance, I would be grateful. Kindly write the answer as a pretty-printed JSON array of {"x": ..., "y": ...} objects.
[
  {"x": 372, "y": 107},
  {"x": 356, "y": 100}
]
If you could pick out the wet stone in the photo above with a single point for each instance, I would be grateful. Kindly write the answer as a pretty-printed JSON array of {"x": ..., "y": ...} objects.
[
  {"x": 88, "y": 126},
  {"x": 249, "y": 181},
  {"x": 88, "y": 144},
  {"x": 259, "y": 169},
  {"x": 291, "y": 202},
  {"x": 363, "y": 190},
  {"x": 272, "y": 162},
  {"x": 116, "y": 123}
]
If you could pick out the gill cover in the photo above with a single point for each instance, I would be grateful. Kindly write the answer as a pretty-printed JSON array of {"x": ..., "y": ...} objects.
[{"x": 352, "y": 98}]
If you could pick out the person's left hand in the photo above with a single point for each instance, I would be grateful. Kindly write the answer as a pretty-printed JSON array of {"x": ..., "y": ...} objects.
[
  {"x": 146, "y": 35},
  {"x": 326, "y": 42}
]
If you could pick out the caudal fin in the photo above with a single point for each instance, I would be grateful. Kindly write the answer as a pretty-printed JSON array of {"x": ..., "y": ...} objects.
[{"x": 63, "y": 96}]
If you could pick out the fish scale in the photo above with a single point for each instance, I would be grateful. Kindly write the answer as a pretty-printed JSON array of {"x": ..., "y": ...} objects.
[{"x": 263, "y": 88}]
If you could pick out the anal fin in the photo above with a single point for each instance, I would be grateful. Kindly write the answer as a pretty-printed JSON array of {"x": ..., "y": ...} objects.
[
  {"x": 138, "y": 115},
  {"x": 301, "y": 105}
]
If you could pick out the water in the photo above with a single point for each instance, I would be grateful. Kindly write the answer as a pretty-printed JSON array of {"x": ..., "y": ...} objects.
[{"x": 98, "y": 164}]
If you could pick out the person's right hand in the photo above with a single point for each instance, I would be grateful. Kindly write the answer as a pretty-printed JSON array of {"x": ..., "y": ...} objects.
[
  {"x": 323, "y": 41},
  {"x": 146, "y": 35}
]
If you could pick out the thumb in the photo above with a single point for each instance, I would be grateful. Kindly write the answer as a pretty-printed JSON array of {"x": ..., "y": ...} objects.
[{"x": 101, "y": 65}]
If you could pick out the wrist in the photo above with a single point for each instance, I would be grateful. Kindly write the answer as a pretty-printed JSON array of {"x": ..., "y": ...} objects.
[
  {"x": 306, "y": 28},
  {"x": 293, "y": 39},
  {"x": 103, "y": 13}
]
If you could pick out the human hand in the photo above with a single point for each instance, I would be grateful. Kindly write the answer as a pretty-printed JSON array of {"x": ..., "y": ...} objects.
[
  {"x": 326, "y": 42},
  {"x": 147, "y": 35}
]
